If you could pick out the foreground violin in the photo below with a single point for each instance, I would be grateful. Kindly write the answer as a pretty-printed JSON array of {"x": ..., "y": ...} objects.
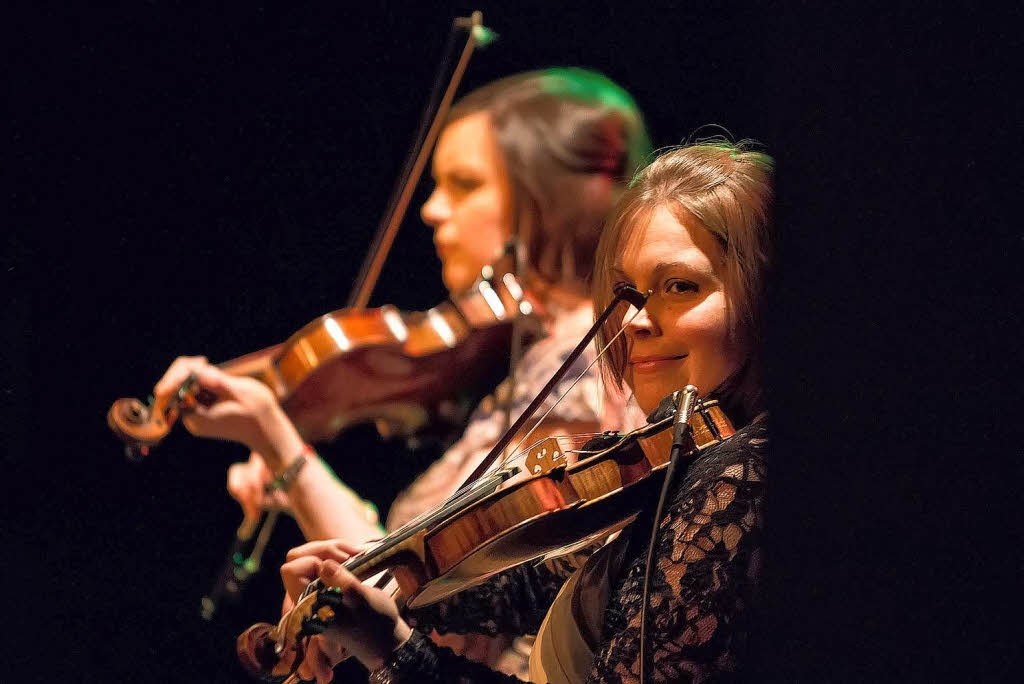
[{"x": 559, "y": 495}]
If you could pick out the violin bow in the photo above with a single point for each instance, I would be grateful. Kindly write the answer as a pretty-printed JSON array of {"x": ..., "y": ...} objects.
[{"x": 477, "y": 34}]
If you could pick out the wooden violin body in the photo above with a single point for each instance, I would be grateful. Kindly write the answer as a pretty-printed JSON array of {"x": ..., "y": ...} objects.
[
  {"x": 558, "y": 497},
  {"x": 359, "y": 365},
  {"x": 561, "y": 494}
]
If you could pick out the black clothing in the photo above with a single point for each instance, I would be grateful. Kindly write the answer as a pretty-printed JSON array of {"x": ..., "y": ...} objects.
[{"x": 703, "y": 589}]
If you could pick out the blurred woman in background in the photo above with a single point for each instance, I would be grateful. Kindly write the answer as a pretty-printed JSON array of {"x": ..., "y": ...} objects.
[{"x": 539, "y": 158}]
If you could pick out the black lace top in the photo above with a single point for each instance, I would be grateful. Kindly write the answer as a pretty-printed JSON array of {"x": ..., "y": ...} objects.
[{"x": 702, "y": 595}]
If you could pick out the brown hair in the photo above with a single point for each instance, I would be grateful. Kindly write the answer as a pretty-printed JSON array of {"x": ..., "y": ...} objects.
[
  {"x": 728, "y": 188},
  {"x": 562, "y": 133}
]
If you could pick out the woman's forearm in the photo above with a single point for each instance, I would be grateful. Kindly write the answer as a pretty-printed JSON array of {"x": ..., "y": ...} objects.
[
  {"x": 327, "y": 509},
  {"x": 322, "y": 505}
]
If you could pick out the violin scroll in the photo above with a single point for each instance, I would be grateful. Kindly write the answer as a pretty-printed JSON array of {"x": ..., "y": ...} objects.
[
  {"x": 256, "y": 651},
  {"x": 142, "y": 426},
  {"x": 134, "y": 424},
  {"x": 273, "y": 653}
]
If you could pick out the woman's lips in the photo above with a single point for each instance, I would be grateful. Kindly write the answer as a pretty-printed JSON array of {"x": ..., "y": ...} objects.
[{"x": 642, "y": 364}]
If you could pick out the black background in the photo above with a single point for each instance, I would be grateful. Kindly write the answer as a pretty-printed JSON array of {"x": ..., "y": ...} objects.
[{"x": 206, "y": 181}]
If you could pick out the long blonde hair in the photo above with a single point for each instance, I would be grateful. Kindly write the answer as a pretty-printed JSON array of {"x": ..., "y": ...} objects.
[{"x": 728, "y": 188}]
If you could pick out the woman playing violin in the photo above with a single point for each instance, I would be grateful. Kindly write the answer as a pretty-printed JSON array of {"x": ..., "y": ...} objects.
[
  {"x": 539, "y": 157},
  {"x": 691, "y": 230}
]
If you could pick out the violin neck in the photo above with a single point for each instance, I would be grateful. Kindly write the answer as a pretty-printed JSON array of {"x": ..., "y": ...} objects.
[
  {"x": 499, "y": 298},
  {"x": 258, "y": 365}
]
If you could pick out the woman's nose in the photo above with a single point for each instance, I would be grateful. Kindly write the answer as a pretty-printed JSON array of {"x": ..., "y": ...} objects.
[
  {"x": 435, "y": 210},
  {"x": 639, "y": 323}
]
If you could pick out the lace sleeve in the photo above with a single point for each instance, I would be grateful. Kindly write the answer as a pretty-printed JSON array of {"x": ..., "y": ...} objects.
[
  {"x": 513, "y": 602},
  {"x": 420, "y": 660},
  {"x": 702, "y": 587}
]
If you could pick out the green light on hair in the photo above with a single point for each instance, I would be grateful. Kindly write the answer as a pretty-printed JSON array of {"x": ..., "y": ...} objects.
[{"x": 588, "y": 86}]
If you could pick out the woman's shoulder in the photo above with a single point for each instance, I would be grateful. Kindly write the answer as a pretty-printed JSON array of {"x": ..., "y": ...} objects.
[
  {"x": 750, "y": 442},
  {"x": 739, "y": 460}
]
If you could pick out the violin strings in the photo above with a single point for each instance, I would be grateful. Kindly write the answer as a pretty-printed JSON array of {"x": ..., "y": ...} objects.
[{"x": 564, "y": 394}]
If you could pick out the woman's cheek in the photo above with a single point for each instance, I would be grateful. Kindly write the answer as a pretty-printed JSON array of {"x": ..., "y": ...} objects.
[{"x": 707, "y": 324}]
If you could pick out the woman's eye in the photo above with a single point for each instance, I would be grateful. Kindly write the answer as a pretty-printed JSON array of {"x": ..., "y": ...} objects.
[
  {"x": 464, "y": 183},
  {"x": 680, "y": 286}
]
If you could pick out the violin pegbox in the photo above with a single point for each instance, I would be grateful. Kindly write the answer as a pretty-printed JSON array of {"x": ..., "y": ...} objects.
[
  {"x": 544, "y": 456},
  {"x": 322, "y": 611}
]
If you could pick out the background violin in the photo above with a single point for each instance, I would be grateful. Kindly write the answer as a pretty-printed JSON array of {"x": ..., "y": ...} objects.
[
  {"x": 402, "y": 372},
  {"x": 358, "y": 365}
]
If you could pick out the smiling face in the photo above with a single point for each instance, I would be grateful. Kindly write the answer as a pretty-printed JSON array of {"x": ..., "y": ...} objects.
[
  {"x": 469, "y": 208},
  {"x": 682, "y": 336}
]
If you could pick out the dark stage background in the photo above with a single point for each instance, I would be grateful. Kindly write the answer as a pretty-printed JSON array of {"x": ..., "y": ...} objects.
[{"x": 206, "y": 181}]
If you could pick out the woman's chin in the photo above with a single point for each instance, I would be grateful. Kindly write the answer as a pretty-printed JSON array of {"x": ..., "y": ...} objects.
[
  {"x": 457, "y": 279},
  {"x": 647, "y": 403},
  {"x": 649, "y": 395}
]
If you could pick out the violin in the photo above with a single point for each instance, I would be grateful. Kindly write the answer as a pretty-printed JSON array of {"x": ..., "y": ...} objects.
[
  {"x": 359, "y": 365},
  {"x": 559, "y": 495},
  {"x": 397, "y": 370}
]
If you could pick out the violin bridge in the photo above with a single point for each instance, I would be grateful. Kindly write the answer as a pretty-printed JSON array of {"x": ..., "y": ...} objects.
[{"x": 544, "y": 456}]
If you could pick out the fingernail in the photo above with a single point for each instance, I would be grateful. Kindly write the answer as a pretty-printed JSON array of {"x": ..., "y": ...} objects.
[{"x": 329, "y": 565}]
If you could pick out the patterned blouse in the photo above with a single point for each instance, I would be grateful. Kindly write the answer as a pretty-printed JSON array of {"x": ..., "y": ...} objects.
[{"x": 583, "y": 403}]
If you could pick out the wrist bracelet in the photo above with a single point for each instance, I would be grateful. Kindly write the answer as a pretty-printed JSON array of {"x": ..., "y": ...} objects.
[
  {"x": 405, "y": 660},
  {"x": 284, "y": 481}
]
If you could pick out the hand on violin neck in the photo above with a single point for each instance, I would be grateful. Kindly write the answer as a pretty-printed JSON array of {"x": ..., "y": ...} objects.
[
  {"x": 339, "y": 550},
  {"x": 366, "y": 622},
  {"x": 245, "y": 410}
]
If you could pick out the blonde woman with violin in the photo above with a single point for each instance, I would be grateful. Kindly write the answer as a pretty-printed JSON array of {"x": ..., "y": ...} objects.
[
  {"x": 540, "y": 157},
  {"x": 691, "y": 231}
]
